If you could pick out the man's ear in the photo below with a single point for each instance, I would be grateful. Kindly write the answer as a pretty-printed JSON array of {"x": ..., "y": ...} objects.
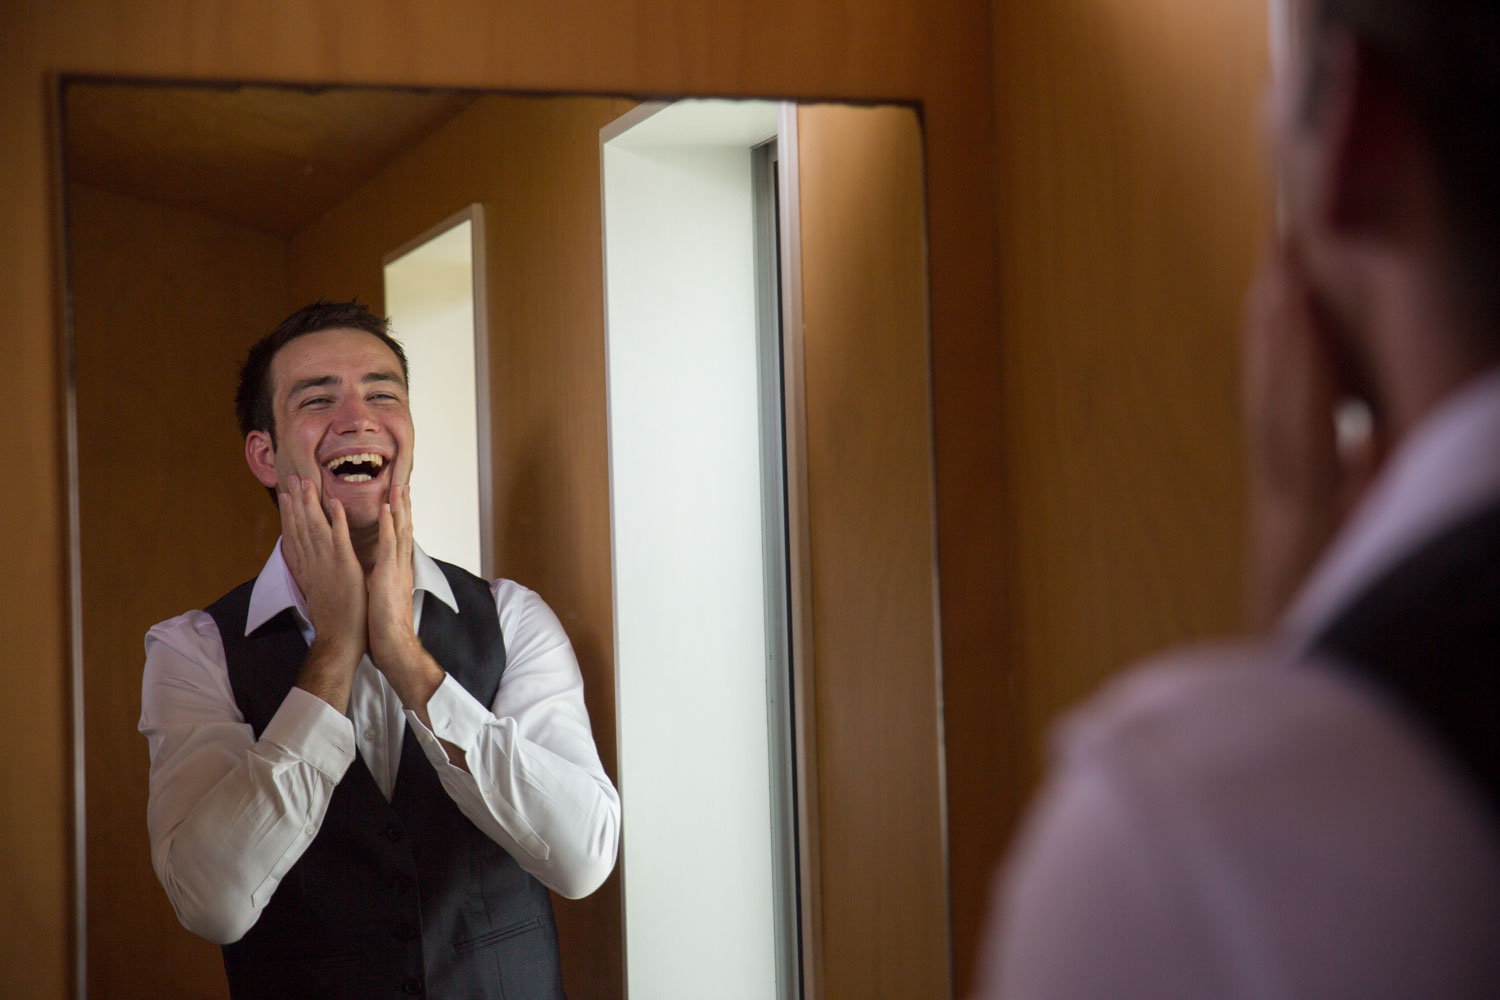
[
  {"x": 1362, "y": 140},
  {"x": 261, "y": 457}
]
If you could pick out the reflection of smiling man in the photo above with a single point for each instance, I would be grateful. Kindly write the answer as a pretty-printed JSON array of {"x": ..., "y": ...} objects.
[{"x": 367, "y": 766}]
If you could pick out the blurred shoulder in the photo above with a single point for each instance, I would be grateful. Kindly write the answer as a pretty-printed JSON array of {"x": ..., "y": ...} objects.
[
  {"x": 1254, "y": 824},
  {"x": 1232, "y": 704}
]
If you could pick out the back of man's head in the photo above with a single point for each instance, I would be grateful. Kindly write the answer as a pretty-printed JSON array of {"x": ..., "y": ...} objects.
[
  {"x": 1443, "y": 58},
  {"x": 253, "y": 398}
]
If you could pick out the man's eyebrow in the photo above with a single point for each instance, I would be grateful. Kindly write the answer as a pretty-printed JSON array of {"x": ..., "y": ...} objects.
[
  {"x": 310, "y": 383},
  {"x": 318, "y": 381}
]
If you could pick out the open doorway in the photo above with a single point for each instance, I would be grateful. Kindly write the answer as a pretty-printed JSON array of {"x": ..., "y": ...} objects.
[
  {"x": 698, "y": 470},
  {"x": 436, "y": 309}
]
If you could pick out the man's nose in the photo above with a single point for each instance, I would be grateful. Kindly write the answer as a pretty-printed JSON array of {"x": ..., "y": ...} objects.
[{"x": 353, "y": 416}]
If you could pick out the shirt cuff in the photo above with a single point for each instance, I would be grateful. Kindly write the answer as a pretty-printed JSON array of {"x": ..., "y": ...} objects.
[
  {"x": 457, "y": 716},
  {"x": 308, "y": 727}
]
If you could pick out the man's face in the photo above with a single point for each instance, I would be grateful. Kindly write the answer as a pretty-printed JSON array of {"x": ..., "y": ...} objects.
[{"x": 342, "y": 420}]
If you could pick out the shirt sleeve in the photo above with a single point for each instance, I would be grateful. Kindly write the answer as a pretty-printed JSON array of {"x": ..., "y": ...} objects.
[
  {"x": 534, "y": 783},
  {"x": 229, "y": 815}
]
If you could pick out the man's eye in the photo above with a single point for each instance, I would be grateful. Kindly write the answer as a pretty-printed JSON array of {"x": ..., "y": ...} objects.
[{"x": 315, "y": 401}]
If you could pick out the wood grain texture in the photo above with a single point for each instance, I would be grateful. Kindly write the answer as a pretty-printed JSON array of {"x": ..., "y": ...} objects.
[
  {"x": 1130, "y": 204},
  {"x": 534, "y": 165},
  {"x": 873, "y": 572},
  {"x": 268, "y": 159},
  {"x": 165, "y": 303},
  {"x": 36, "y": 891},
  {"x": 1130, "y": 175}
]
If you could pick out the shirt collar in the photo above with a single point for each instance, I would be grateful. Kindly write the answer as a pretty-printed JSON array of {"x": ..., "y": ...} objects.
[
  {"x": 1446, "y": 468},
  {"x": 275, "y": 590}
]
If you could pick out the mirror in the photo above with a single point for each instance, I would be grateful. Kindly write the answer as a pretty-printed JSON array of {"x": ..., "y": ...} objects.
[{"x": 199, "y": 215}]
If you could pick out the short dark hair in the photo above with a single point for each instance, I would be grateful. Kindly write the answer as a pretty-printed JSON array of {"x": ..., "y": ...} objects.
[
  {"x": 252, "y": 399},
  {"x": 1444, "y": 57}
]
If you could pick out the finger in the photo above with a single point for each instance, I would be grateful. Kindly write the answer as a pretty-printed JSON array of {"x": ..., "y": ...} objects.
[
  {"x": 296, "y": 518},
  {"x": 315, "y": 522},
  {"x": 339, "y": 529},
  {"x": 402, "y": 472},
  {"x": 402, "y": 515},
  {"x": 385, "y": 545},
  {"x": 301, "y": 527},
  {"x": 291, "y": 548},
  {"x": 1256, "y": 324}
]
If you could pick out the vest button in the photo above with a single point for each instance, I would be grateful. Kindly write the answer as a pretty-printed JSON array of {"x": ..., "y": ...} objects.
[
  {"x": 411, "y": 987},
  {"x": 406, "y": 932},
  {"x": 393, "y": 832}
]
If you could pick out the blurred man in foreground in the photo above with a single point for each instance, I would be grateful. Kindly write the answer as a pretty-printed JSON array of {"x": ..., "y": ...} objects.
[{"x": 1317, "y": 814}]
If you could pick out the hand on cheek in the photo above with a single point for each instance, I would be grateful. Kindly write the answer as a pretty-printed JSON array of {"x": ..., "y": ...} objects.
[
  {"x": 1302, "y": 485},
  {"x": 321, "y": 558},
  {"x": 394, "y": 646},
  {"x": 393, "y": 643}
]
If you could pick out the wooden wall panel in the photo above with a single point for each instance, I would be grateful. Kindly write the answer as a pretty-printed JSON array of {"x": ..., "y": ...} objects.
[
  {"x": 268, "y": 159},
  {"x": 1131, "y": 202},
  {"x": 165, "y": 304},
  {"x": 36, "y": 786},
  {"x": 1131, "y": 188},
  {"x": 534, "y": 165},
  {"x": 873, "y": 572}
]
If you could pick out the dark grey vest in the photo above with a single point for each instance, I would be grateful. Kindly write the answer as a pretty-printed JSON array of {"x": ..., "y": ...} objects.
[
  {"x": 1428, "y": 634},
  {"x": 400, "y": 898}
]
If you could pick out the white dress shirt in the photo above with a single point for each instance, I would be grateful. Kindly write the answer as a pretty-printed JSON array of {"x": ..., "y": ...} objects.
[
  {"x": 229, "y": 815},
  {"x": 1229, "y": 823}
]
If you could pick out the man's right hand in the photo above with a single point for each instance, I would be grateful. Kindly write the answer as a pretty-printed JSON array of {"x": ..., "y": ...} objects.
[
  {"x": 321, "y": 559},
  {"x": 1303, "y": 485}
]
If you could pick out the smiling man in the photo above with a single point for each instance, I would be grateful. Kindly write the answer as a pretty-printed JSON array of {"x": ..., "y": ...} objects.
[{"x": 367, "y": 767}]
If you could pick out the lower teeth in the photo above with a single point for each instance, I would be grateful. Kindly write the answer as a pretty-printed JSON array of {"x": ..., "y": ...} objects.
[{"x": 358, "y": 477}]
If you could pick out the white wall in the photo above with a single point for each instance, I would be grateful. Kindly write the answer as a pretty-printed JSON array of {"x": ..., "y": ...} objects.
[
  {"x": 429, "y": 295},
  {"x": 689, "y": 588}
]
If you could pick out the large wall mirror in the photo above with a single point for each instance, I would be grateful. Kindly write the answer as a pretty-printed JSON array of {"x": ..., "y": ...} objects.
[{"x": 199, "y": 214}]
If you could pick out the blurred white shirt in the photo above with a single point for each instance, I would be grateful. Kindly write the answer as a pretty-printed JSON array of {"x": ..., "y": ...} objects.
[{"x": 1232, "y": 823}]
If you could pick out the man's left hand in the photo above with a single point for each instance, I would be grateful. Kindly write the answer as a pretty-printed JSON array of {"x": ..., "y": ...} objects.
[{"x": 394, "y": 646}]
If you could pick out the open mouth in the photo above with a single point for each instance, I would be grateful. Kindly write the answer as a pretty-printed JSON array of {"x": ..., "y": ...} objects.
[{"x": 359, "y": 468}]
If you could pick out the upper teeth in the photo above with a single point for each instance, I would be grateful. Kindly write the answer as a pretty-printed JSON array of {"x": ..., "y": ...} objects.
[{"x": 368, "y": 456}]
